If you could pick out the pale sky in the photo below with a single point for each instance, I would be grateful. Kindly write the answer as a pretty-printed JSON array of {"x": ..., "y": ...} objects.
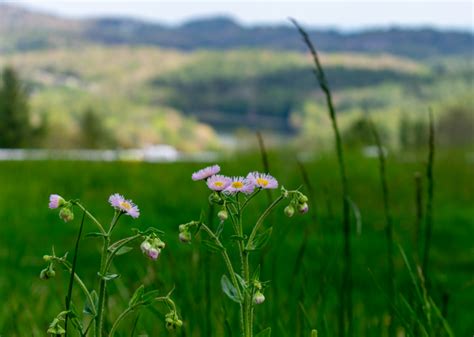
[{"x": 346, "y": 14}]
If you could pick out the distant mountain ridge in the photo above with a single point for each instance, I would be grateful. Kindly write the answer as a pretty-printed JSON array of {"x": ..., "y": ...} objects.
[{"x": 24, "y": 29}]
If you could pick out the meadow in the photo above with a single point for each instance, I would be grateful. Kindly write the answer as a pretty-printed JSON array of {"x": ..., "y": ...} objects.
[{"x": 304, "y": 288}]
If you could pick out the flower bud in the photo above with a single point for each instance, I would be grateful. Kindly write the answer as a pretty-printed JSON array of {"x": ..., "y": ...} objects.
[
  {"x": 157, "y": 243},
  {"x": 215, "y": 198},
  {"x": 145, "y": 246},
  {"x": 56, "y": 201},
  {"x": 170, "y": 326},
  {"x": 185, "y": 237},
  {"x": 51, "y": 273},
  {"x": 258, "y": 298},
  {"x": 47, "y": 258},
  {"x": 182, "y": 228},
  {"x": 289, "y": 211},
  {"x": 222, "y": 215},
  {"x": 303, "y": 208},
  {"x": 66, "y": 214},
  {"x": 303, "y": 199},
  {"x": 56, "y": 329},
  {"x": 153, "y": 253},
  {"x": 47, "y": 273},
  {"x": 43, "y": 274}
]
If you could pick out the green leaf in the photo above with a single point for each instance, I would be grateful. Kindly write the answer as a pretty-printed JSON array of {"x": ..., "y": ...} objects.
[
  {"x": 123, "y": 250},
  {"x": 355, "y": 209},
  {"x": 95, "y": 235},
  {"x": 256, "y": 274},
  {"x": 137, "y": 296},
  {"x": 89, "y": 308},
  {"x": 265, "y": 333},
  {"x": 242, "y": 282},
  {"x": 212, "y": 246},
  {"x": 108, "y": 277},
  {"x": 229, "y": 289},
  {"x": 150, "y": 296},
  {"x": 120, "y": 243},
  {"x": 260, "y": 240}
]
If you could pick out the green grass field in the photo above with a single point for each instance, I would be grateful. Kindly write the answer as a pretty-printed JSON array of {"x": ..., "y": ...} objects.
[{"x": 301, "y": 296}]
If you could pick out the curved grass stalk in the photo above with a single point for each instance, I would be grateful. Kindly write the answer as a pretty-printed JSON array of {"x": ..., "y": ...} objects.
[
  {"x": 129, "y": 310},
  {"x": 346, "y": 313}
]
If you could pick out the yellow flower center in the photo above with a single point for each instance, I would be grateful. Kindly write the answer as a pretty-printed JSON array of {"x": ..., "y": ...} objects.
[
  {"x": 218, "y": 184},
  {"x": 237, "y": 184},
  {"x": 126, "y": 205},
  {"x": 262, "y": 182}
]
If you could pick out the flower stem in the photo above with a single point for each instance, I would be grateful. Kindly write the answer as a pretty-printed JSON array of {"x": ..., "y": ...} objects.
[
  {"x": 101, "y": 228},
  {"x": 103, "y": 271},
  {"x": 230, "y": 270},
  {"x": 73, "y": 272},
  {"x": 262, "y": 217},
  {"x": 225, "y": 256},
  {"x": 78, "y": 280}
]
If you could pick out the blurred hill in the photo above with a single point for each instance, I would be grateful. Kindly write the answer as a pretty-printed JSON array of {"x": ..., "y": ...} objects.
[
  {"x": 153, "y": 84},
  {"x": 22, "y": 29}
]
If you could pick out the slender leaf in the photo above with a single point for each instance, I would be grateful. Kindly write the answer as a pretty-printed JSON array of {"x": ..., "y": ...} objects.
[
  {"x": 265, "y": 333},
  {"x": 123, "y": 250},
  {"x": 137, "y": 296},
  {"x": 90, "y": 308},
  {"x": 212, "y": 246},
  {"x": 260, "y": 240},
  {"x": 229, "y": 289}
]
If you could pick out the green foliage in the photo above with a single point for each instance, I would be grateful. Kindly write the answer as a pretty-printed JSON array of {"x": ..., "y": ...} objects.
[
  {"x": 359, "y": 133},
  {"x": 93, "y": 134},
  {"x": 412, "y": 133},
  {"x": 455, "y": 128},
  {"x": 15, "y": 127}
]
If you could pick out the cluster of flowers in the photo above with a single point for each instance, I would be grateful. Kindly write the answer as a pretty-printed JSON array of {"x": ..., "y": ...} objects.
[
  {"x": 299, "y": 202},
  {"x": 233, "y": 185},
  {"x": 65, "y": 207},
  {"x": 151, "y": 246}
]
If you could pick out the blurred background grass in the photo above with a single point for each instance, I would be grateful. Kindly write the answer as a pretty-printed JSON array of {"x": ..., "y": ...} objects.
[{"x": 167, "y": 197}]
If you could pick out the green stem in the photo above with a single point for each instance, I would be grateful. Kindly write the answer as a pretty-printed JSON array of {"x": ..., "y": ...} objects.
[
  {"x": 73, "y": 272},
  {"x": 79, "y": 282},
  {"x": 244, "y": 259},
  {"x": 388, "y": 233},
  {"x": 230, "y": 270},
  {"x": 119, "y": 319},
  {"x": 262, "y": 217},
  {"x": 129, "y": 310},
  {"x": 225, "y": 256},
  {"x": 247, "y": 296},
  {"x": 112, "y": 254},
  {"x": 103, "y": 272},
  {"x": 251, "y": 196},
  {"x": 101, "y": 228}
]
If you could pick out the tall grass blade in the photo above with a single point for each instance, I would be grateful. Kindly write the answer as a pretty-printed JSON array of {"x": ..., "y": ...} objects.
[
  {"x": 429, "y": 201},
  {"x": 419, "y": 214},
  {"x": 388, "y": 231},
  {"x": 345, "y": 315}
]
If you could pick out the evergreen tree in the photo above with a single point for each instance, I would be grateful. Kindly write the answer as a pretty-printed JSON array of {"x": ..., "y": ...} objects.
[
  {"x": 15, "y": 127},
  {"x": 93, "y": 133}
]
